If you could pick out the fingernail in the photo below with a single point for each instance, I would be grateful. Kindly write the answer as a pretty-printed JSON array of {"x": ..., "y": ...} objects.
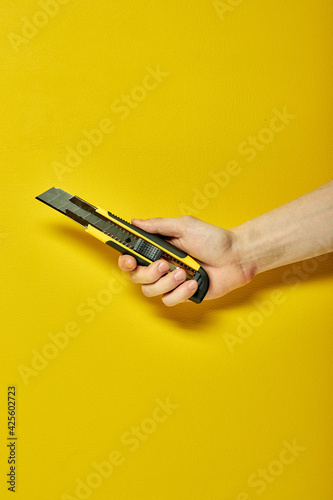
[
  {"x": 179, "y": 275},
  {"x": 128, "y": 264},
  {"x": 192, "y": 285},
  {"x": 163, "y": 267}
]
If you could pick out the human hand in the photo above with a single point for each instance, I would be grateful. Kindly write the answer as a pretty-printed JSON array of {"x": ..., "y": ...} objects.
[{"x": 214, "y": 248}]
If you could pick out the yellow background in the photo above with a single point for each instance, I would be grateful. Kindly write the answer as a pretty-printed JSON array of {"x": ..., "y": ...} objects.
[{"x": 226, "y": 75}]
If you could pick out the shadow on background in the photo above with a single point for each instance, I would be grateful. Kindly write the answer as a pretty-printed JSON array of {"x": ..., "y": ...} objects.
[{"x": 191, "y": 316}]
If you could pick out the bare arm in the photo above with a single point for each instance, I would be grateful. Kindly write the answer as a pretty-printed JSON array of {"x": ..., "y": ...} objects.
[{"x": 298, "y": 230}]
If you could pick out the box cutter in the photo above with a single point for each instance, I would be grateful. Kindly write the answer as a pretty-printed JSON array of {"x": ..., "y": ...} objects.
[{"x": 126, "y": 238}]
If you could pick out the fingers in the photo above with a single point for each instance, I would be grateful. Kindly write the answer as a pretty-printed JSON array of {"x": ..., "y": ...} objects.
[
  {"x": 143, "y": 274},
  {"x": 156, "y": 282},
  {"x": 150, "y": 274},
  {"x": 180, "y": 294},
  {"x": 164, "y": 284},
  {"x": 173, "y": 287}
]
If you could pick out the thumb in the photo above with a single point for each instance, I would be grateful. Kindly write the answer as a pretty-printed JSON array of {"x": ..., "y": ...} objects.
[{"x": 168, "y": 226}]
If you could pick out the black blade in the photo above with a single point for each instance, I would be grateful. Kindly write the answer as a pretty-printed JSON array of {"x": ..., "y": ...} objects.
[
  {"x": 84, "y": 213},
  {"x": 57, "y": 199}
]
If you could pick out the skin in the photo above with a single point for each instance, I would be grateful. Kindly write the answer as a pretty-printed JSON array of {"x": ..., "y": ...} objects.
[{"x": 298, "y": 230}]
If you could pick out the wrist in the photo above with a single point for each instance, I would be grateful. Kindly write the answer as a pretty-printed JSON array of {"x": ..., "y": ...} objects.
[
  {"x": 261, "y": 248},
  {"x": 245, "y": 251}
]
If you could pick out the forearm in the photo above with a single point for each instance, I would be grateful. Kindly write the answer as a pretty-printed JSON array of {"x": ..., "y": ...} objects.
[{"x": 298, "y": 230}]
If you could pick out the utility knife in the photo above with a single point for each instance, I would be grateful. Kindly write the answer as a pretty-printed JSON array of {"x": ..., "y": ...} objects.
[{"x": 126, "y": 238}]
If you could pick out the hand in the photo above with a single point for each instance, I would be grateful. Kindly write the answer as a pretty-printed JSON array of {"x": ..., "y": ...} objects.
[{"x": 214, "y": 248}]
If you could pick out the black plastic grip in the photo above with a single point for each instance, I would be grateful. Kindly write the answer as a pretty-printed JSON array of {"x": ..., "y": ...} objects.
[
  {"x": 148, "y": 250},
  {"x": 156, "y": 238},
  {"x": 203, "y": 284}
]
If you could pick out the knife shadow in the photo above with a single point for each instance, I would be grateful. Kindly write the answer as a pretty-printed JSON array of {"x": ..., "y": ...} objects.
[{"x": 191, "y": 317}]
